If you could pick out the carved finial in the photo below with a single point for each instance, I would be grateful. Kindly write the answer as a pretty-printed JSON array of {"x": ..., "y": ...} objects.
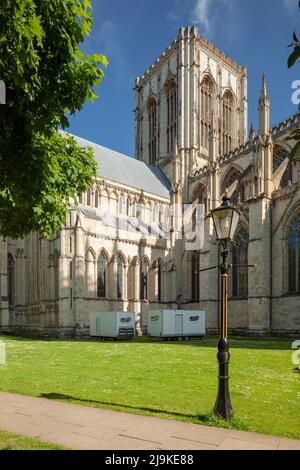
[
  {"x": 226, "y": 192},
  {"x": 264, "y": 85},
  {"x": 252, "y": 132}
]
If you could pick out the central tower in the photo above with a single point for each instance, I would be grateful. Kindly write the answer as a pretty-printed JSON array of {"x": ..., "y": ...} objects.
[{"x": 190, "y": 85}]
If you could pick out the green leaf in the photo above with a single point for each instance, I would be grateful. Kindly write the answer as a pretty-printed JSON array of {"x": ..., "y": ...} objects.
[{"x": 294, "y": 56}]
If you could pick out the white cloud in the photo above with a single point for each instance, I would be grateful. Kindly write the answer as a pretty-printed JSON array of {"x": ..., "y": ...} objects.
[
  {"x": 201, "y": 15},
  {"x": 208, "y": 14}
]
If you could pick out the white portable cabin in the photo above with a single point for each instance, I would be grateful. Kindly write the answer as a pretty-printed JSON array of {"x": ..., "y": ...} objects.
[
  {"x": 176, "y": 323},
  {"x": 119, "y": 325}
]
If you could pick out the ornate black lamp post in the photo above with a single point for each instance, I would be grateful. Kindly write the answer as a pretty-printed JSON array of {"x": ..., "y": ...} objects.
[{"x": 225, "y": 220}]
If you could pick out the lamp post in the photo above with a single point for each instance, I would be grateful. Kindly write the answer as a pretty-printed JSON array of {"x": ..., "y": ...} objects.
[{"x": 225, "y": 220}]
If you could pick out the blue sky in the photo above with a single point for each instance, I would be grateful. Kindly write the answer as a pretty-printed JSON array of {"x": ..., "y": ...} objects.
[{"x": 133, "y": 33}]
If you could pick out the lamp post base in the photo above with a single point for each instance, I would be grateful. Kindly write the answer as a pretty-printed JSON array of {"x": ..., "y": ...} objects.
[{"x": 223, "y": 407}]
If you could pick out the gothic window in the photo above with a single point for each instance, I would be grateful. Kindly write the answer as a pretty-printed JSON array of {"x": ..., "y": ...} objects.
[
  {"x": 155, "y": 214},
  {"x": 207, "y": 89},
  {"x": 88, "y": 197},
  {"x": 144, "y": 281},
  {"x": 159, "y": 282},
  {"x": 123, "y": 205},
  {"x": 279, "y": 155},
  {"x": 240, "y": 257},
  {"x": 96, "y": 198},
  {"x": 195, "y": 265},
  {"x": 120, "y": 278},
  {"x": 172, "y": 114},
  {"x": 227, "y": 115},
  {"x": 101, "y": 276},
  {"x": 199, "y": 198},
  {"x": 80, "y": 198},
  {"x": 10, "y": 280},
  {"x": 230, "y": 178},
  {"x": 294, "y": 255},
  {"x": 152, "y": 130}
]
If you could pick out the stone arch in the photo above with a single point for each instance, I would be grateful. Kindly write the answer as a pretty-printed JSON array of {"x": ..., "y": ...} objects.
[
  {"x": 102, "y": 274},
  {"x": 206, "y": 106},
  {"x": 123, "y": 204},
  {"x": 90, "y": 261},
  {"x": 208, "y": 75},
  {"x": 228, "y": 105},
  {"x": 239, "y": 255},
  {"x": 290, "y": 231},
  {"x": 280, "y": 154},
  {"x": 90, "y": 253},
  {"x": 121, "y": 275},
  {"x": 104, "y": 199},
  {"x": 151, "y": 106},
  {"x": 169, "y": 116},
  {"x": 232, "y": 174}
]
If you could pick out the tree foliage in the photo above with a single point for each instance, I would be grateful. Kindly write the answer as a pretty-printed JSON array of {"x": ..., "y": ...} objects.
[
  {"x": 294, "y": 56},
  {"x": 47, "y": 78}
]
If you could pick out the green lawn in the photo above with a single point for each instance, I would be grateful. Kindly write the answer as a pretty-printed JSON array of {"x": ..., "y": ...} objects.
[
  {"x": 175, "y": 380},
  {"x": 11, "y": 441}
]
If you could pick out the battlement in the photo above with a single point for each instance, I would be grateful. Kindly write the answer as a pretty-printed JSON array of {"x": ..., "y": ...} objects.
[{"x": 192, "y": 33}]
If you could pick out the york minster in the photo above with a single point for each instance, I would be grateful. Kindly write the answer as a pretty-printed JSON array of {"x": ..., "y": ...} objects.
[{"x": 191, "y": 145}]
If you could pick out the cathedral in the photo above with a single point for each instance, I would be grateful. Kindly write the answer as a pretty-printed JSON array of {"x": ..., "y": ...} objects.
[{"x": 122, "y": 245}]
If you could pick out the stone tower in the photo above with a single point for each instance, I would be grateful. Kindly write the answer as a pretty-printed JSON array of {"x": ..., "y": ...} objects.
[{"x": 175, "y": 99}]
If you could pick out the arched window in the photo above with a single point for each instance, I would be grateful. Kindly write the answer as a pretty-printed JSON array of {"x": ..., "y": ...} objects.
[
  {"x": 232, "y": 175},
  {"x": 123, "y": 205},
  {"x": 159, "y": 282},
  {"x": 152, "y": 130},
  {"x": 294, "y": 254},
  {"x": 195, "y": 265},
  {"x": 101, "y": 276},
  {"x": 155, "y": 214},
  {"x": 10, "y": 280},
  {"x": 80, "y": 198},
  {"x": 96, "y": 198},
  {"x": 240, "y": 257},
  {"x": 120, "y": 278},
  {"x": 88, "y": 197},
  {"x": 172, "y": 115},
  {"x": 279, "y": 156},
  {"x": 207, "y": 89},
  {"x": 144, "y": 281},
  {"x": 227, "y": 114},
  {"x": 200, "y": 201}
]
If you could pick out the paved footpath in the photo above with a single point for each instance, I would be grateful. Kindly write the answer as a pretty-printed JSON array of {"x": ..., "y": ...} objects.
[{"x": 81, "y": 427}]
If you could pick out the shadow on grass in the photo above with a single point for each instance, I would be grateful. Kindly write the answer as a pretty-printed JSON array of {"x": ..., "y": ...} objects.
[{"x": 61, "y": 397}]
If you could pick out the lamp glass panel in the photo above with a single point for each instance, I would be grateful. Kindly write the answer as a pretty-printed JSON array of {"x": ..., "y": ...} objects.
[
  {"x": 235, "y": 219},
  {"x": 222, "y": 219}
]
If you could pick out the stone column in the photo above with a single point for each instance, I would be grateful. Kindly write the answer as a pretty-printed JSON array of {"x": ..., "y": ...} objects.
[{"x": 259, "y": 254}]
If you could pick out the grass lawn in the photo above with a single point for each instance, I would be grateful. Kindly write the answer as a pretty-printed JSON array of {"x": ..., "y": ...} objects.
[
  {"x": 11, "y": 441},
  {"x": 175, "y": 380}
]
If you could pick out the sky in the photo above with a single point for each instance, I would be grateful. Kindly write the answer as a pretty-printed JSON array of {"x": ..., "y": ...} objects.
[{"x": 133, "y": 33}]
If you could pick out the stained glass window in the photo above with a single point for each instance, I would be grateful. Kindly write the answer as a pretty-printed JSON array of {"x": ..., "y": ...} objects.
[
  {"x": 240, "y": 257},
  {"x": 294, "y": 255},
  {"x": 101, "y": 276}
]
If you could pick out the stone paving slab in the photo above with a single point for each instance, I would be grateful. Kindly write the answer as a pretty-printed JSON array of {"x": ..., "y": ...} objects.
[{"x": 86, "y": 428}]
